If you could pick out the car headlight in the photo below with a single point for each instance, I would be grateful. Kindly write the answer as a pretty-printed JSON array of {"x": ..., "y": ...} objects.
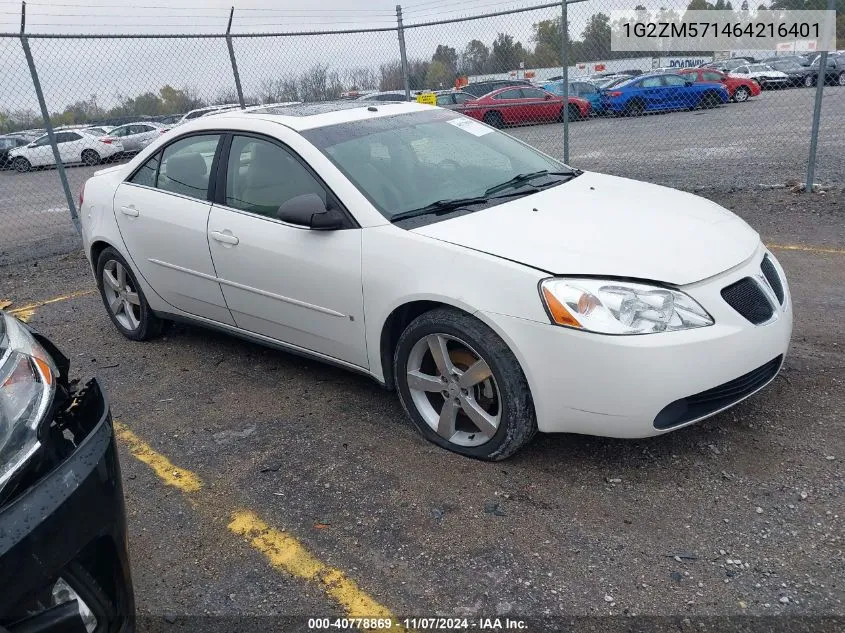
[
  {"x": 27, "y": 385},
  {"x": 607, "y": 306}
]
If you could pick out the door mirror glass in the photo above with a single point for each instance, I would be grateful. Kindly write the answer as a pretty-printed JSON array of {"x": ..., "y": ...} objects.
[{"x": 309, "y": 210}]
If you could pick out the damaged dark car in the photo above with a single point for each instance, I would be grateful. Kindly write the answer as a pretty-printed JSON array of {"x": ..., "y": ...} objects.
[{"x": 64, "y": 563}]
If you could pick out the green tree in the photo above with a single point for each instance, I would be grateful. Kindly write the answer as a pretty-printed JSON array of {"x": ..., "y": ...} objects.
[
  {"x": 507, "y": 54},
  {"x": 439, "y": 76},
  {"x": 475, "y": 58},
  {"x": 547, "y": 43},
  {"x": 447, "y": 56},
  {"x": 596, "y": 37}
]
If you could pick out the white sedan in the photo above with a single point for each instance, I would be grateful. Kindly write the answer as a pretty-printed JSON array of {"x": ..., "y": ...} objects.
[
  {"x": 75, "y": 146},
  {"x": 763, "y": 74},
  {"x": 499, "y": 291}
]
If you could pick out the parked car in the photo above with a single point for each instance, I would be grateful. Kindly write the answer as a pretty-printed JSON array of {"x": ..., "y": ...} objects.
[
  {"x": 447, "y": 260},
  {"x": 453, "y": 99},
  {"x": 835, "y": 67},
  {"x": 481, "y": 88},
  {"x": 204, "y": 111},
  {"x": 801, "y": 60},
  {"x": 98, "y": 130},
  {"x": 7, "y": 143},
  {"x": 135, "y": 136},
  {"x": 739, "y": 88},
  {"x": 765, "y": 75},
  {"x": 64, "y": 562},
  {"x": 726, "y": 65},
  {"x": 653, "y": 93},
  {"x": 806, "y": 76},
  {"x": 583, "y": 90},
  {"x": 521, "y": 105},
  {"x": 170, "y": 120},
  {"x": 389, "y": 95},
  {"x": 74, "y": 147}
]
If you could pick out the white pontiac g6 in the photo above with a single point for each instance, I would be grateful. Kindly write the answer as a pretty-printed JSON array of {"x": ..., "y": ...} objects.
[{"x": 496, "y": 289}]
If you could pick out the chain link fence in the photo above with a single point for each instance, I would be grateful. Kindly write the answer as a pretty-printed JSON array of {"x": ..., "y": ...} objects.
[{"x": 699, "y": 120}]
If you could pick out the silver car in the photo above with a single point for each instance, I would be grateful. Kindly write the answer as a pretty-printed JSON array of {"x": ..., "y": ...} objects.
[{"x": 136, "y": 136}]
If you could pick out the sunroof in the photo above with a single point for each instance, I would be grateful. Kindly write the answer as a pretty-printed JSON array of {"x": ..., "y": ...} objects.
[{"x": 311, "y": 109}]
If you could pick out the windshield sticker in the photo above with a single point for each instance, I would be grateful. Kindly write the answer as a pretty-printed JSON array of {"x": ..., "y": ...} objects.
[{"x": 468, "y": 125}]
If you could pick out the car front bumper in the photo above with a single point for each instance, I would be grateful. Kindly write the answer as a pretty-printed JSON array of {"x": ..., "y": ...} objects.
[
  {"x": 70, "y": 525},
  {"x": 617, "y": 386}
]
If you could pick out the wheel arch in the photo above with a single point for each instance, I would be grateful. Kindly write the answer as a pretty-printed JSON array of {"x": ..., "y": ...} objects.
[{"x": 401, "y": 316}]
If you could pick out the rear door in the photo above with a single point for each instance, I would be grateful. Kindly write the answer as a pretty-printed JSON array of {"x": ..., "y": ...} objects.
[
  {"x": 162, "y": 212},
  {"x": 508, "y": 103},
  {"x": 70, "y": 146},
  {"x": 653, "y": 91},
  {"x": 677, "y": 94}
]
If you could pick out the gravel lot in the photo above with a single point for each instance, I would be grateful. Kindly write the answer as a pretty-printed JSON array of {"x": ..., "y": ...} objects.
[
  {"x": 740, "y": 515},
  {"x": 764, "y": 141}
]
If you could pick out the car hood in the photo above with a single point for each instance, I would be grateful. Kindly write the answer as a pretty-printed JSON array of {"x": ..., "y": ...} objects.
[{"x": 605, "y": 225}]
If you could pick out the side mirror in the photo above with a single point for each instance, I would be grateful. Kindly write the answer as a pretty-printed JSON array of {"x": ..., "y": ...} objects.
[
  {"x": 310, "y": 211},
  {"x": 688, "y": 82}
]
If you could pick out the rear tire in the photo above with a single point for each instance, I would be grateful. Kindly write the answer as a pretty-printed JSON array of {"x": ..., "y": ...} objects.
[
  {"x": 634, "y": 108},
  {"x": 808, "y": 81},
  {"x": 21, "y": 165},
  {"x": 494, "y": 119},
  {"x": 90, "y": 157},
  {"x": 741, "y": 94},
  {"x": 709, "y": 99},
  {"x": 472, "y": 398},
  {"x": 124, "y": 299},
  {"x": 841, "y": 79}
]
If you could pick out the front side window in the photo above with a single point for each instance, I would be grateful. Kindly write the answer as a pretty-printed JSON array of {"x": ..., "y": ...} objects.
[
  {"x": 186, "y": 164},
  {"x": 443, "y": 100},
  {"x": 261, "y": 176},
  {"x": 462, "y": 97},
  {"x": 509, "y": 94},
  {"x": 651, "y": 82},
  {"x": 405, "y": 162},
  {"x": 533, "y": 93},
  {"x": 120, "y": 132}
]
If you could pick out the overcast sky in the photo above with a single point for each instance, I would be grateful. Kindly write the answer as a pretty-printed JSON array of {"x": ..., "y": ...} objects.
[{"x": 72, "y": 69}]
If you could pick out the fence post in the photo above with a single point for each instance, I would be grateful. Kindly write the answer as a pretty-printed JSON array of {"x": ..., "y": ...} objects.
[
  {"x": 402, "y": 56},
  {"x": 232, "y": 59},
  {"x": 817, "y": 113},
  {"x": 564, "y": 56},
  {"x": 45, "y": 115}
]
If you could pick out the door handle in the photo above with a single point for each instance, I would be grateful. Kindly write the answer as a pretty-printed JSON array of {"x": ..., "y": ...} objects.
[
  {"x": 132, "y": 212},
  {"x": 224, "y": 238}
]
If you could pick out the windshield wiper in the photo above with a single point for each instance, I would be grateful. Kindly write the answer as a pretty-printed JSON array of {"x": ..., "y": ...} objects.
[
  {"x": 522, "y": 179},
  {"x": 440, "y": 207}
]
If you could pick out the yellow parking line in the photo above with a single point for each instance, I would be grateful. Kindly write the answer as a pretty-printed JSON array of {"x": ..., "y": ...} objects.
[
  {"x": 24, "y": 313},
  {"x": 184, "y": 480},
  {"x": 284, "y": 552},
  {"x": 809, "y": 249}
]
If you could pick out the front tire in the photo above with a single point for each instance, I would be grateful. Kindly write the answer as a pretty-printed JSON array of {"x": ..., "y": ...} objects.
[
  {"x": 21, "y": 165},
  {"x": 808, "y": 81},
  {"x": 124, "y": 299},
  {"x": 462, "y": 386},
  {"x": 741, "y": 95},
  {"x": 841, "y": 79}
]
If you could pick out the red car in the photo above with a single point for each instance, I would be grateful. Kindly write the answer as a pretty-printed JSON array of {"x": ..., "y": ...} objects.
[
  {"x": 523, "y": 104},
  {"x": 739, "y": 88}
]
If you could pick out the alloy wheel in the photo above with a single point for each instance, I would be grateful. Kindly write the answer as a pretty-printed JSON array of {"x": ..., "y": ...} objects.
[
  {"x": 741, "y": 95},
  {"x": 454, "y": 390},
  {"x": 90, "y": 157},
  {"x": 121, "y": 296}
]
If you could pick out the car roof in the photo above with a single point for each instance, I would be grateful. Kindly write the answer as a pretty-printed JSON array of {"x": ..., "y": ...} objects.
[{"x": 306, "y": 116}]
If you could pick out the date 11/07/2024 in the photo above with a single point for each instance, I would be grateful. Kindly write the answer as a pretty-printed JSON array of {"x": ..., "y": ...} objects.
[{"x": 418, "y": 624}]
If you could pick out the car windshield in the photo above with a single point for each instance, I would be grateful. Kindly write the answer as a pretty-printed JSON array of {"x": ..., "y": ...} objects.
[{"x": 412, "y": 161}]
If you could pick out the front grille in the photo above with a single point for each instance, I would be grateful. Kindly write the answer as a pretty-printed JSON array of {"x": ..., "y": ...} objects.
[
  {"x": 712, "y": 400},
  {"x": 747, "y": 297},
  {"x": 771, "y": 274}
]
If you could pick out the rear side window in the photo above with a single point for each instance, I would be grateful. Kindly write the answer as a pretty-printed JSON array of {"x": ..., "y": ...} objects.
[
  {"x": 182, "y": 167},
  {"x": 148, "y": 173},
  {"x": 509, "y": 94}
]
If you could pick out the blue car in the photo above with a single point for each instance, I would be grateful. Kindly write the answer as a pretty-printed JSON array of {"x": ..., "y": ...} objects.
[
  {"x": 653, "y": 93},
  {"x": 583, "y": 89}
]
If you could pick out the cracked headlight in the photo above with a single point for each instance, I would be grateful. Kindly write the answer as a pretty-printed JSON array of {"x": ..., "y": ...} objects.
[
  {"x": 27, "y": 384},
  {"x": 608, "y": 306}
]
